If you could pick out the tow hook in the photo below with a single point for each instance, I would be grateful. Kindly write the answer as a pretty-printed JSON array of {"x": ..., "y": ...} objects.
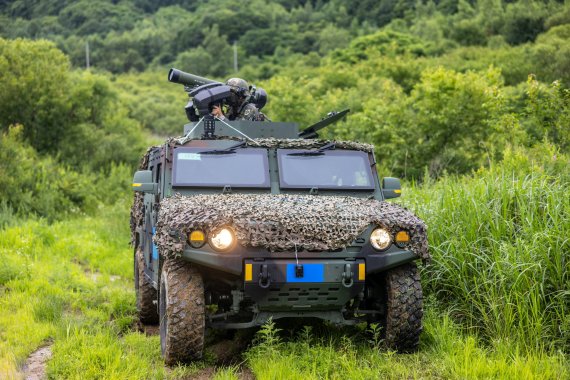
[
  {"x": 264, "y": 277},
  {"x": 347, "y": 276}
]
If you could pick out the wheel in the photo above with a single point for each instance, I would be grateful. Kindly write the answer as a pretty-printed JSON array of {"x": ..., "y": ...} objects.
[
  {"x": 404, "y": 308},
  {"x": 145, "y": 293},
  {"x": 182, "y": 312}
]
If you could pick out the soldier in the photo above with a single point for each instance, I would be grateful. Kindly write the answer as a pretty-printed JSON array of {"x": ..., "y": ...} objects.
[{"x": 239, "y": 107}]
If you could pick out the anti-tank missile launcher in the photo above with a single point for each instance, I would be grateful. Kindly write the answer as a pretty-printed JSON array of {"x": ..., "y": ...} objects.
[{"x": 206, "y": 93}]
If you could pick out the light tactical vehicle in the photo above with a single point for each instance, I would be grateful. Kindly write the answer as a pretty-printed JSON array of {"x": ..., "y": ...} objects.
[{"x": 238, "y": 222}]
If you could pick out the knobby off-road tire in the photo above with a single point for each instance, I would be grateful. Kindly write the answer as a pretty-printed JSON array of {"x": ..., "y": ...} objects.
[
  {"x": 145, "y": 293},
  {"x": 182, "y": 312},
  {"x": 404, "y": 308}
]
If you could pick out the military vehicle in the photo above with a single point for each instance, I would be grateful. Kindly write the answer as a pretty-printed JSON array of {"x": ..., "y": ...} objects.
[{"x": 237, "y": 222}]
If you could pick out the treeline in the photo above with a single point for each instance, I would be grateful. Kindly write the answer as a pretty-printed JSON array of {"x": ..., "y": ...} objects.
[{"x": 198, "y": 35}]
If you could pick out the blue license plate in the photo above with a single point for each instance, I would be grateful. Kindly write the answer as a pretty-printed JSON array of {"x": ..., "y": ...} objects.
[{"x": 311, "y": 273}]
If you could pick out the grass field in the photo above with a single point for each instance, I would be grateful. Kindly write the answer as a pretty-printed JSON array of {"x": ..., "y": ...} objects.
[{"x": 498, "y": 300}]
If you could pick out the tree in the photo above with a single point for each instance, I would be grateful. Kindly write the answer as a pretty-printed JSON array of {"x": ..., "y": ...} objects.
[{"x": 33, "y": 83}]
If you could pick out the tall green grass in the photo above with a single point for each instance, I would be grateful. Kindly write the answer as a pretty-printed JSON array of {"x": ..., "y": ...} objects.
[
  {"x": 445, "y": 353},
  {"x": 500, "y": 242},
  {"x": 69, "y": 284}
]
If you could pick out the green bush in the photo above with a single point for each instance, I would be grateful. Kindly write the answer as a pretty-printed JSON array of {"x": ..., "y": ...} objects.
[
  {"x": 32, "y": 184},
  {"x": 548, "y": 113},
  {"x": 33, "y": 91},
  {"x": 64, "y": 136}
]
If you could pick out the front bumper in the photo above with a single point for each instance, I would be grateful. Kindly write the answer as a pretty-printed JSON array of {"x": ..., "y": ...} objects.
[
  {"x": 303, "y": 285},
  {"x": 233, "y": 262}
]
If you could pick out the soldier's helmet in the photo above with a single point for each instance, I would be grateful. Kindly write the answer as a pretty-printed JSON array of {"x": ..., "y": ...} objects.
[{"x": 239, "y": 86}]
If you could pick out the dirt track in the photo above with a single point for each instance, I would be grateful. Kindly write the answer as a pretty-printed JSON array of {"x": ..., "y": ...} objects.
[{"x": 35, "y": 367}]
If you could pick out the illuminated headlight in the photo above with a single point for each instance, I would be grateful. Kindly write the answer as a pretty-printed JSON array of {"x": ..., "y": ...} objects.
[
  {"x": 380, "y": 239},
  {"x": 223, "y": 239}
]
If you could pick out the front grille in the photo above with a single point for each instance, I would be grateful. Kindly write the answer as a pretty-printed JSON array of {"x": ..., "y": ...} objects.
[{"x": 311, "y": 296}]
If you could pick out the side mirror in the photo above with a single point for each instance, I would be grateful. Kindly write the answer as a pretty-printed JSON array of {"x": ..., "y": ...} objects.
[
  {"x": 391, "y": 187},
  {"x": 142, "y": 181}
]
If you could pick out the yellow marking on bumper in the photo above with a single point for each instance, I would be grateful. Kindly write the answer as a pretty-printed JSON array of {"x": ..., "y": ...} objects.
[
  {"x": 361, "y": 272},
  {"x": 248, "y": 272},
  {"x": 137, "y": 184}
]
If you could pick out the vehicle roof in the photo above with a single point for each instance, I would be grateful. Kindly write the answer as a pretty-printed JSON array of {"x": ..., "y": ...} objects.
[
  {"x": 253, "y": 129},
  {"x": 259, "y": 134}
]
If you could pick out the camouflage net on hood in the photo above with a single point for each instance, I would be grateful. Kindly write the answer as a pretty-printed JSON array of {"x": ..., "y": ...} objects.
[{"x": 279, "y": 222}]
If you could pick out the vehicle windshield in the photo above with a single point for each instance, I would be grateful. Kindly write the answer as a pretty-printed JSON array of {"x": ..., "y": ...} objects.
[
  {"x": 330, "y": 169},
  {"x": 235, "y": 168}
]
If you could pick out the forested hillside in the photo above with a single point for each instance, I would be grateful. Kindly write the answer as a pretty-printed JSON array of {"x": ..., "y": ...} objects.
[
  {"x": 137, "y": 35},
  {"x": 467, "y": 101}
]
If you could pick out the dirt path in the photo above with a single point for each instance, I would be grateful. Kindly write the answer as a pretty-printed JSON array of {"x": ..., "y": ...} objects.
[{"x": 35, "y": 367}]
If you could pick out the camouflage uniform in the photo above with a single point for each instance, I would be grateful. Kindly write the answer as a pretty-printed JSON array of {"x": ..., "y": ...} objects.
[{"x": 249, "y": 112}]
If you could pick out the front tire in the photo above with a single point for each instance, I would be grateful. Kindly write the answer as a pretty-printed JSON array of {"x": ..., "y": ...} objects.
[
  {"x": 404, "y": 308},
  {"x": 182, "y": 312},
  {"x": 145, "y": 293}
]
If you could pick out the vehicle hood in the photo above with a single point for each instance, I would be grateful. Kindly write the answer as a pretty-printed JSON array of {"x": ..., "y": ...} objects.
[{"x": 281, "y": 222}]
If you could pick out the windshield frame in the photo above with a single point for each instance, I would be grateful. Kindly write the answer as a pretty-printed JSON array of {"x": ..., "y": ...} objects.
[
  {"x": 281, "y": 153},
  {"x": 262, "y": 152}
]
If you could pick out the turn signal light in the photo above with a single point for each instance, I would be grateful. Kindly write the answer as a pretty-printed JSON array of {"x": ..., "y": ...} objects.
[
  {"x": 197, "y": 239},
  {"x": 402, "y": 238}
]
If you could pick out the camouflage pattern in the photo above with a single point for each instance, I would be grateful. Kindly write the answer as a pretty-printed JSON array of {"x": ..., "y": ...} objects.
[
  {"x": 248, "y": 112},
  {"x": 238, "y": 85},
  {"x": 137, "y": 211},
  {"x": 274, "y": 143},
  {"x": 281, "y": 222}
]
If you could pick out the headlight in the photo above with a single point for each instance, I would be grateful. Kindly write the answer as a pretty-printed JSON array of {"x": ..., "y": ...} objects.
[
  {"x": 380, "y": 239},
  {"x": 223, "y": 239}
]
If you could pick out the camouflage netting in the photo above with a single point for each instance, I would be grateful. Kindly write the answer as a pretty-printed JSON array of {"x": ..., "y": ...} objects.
[
  {"x": 274, "y": 143},
  {"x": 308, "y": 144},
  {"x": 279, "y": 222},
  {"x": 137, "y": 215}
]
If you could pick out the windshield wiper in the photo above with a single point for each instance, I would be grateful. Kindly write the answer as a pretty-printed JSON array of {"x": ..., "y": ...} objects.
[
  {"x": 229, "y": 150},
  {"x": 318, "y": 152}
]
